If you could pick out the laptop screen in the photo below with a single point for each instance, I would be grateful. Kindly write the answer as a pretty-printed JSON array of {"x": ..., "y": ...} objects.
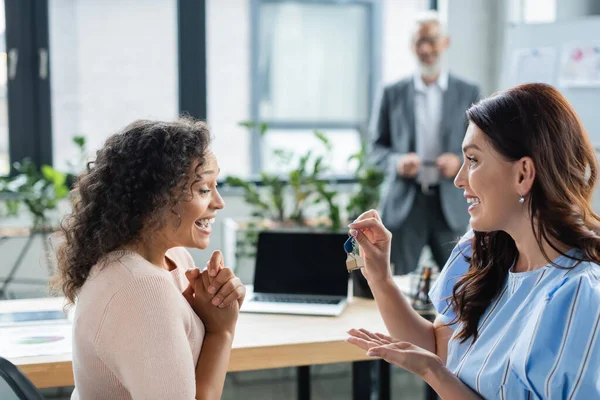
[{"x": 301, "y": 263}]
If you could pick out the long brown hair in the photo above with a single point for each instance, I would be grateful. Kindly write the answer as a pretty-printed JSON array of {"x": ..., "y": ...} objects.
[
  {"x": 137, "y": 175},
  {"x": 532, "y": 120}
]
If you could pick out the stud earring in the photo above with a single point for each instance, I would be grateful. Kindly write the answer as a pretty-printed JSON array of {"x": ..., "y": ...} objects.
[{"x": 521, "y": 199}]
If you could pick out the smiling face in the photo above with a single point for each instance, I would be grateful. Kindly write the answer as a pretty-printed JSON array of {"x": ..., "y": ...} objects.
[
  {"x": 190, "y": 223},
  {"x": 490, "y": 184}
]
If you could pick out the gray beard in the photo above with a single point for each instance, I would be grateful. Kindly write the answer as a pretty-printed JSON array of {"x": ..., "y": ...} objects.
[{"x": 430, "y": 71}]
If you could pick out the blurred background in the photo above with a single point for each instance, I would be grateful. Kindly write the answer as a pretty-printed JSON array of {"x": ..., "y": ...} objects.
[{"x": 279, "y": 82}]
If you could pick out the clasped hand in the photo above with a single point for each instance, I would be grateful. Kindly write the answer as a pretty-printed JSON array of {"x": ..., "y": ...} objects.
[{"x": 215, "y": 294}]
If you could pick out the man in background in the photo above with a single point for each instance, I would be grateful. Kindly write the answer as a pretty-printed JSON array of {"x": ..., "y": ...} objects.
[{"x": 417, "y": 131}]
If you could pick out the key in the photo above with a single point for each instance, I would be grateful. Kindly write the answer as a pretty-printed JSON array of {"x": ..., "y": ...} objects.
[{"x": 353, "y": 260}]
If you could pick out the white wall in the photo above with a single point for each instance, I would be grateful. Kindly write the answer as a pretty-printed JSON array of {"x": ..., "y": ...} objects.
[
  {"x": 398, "y": 17},
  {"x": 476, "y": 31}
]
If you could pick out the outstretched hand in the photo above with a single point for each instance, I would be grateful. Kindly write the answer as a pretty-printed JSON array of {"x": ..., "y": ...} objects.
[{"x": 402, "y": 354}]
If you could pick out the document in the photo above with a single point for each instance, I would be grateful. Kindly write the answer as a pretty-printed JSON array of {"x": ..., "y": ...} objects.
[
  {"x": 35, "y": 340},
  {"x": 533, "y": 65},
  {"x": 580, "y": 65}
]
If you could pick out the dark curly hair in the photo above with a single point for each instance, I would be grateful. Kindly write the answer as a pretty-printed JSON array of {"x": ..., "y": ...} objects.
[
  {"x": 532, "y": 120},
  {"x": 138, "y": 174}
]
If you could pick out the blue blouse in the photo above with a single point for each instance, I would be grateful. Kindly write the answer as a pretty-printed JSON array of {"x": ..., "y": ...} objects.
[{"x": 540, "y": 337}]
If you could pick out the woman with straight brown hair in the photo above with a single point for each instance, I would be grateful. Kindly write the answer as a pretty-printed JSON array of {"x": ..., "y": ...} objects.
[{"x": 518, "y": 301}]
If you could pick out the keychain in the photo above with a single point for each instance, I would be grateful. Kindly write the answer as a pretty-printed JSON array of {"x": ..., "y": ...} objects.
[{"x": 354, "y": 261}]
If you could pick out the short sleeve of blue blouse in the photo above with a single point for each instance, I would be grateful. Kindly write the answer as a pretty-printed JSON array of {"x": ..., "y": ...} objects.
[{"x": 456, "y": 266}]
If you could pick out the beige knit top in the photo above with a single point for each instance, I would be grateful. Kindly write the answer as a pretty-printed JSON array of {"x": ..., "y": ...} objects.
[{"x": 134, "y": 334}]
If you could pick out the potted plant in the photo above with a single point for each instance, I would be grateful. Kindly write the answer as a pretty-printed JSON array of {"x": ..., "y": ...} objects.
[
  {"x": 299, "y": 199},
  {"x": 39, "y": 189},
  {"x": 369, "y": 179}
]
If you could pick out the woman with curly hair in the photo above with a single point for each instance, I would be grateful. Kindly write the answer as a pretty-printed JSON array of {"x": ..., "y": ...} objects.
[
  {"x": 518, "y": 301},
  {"x": 148, "y": 324}
]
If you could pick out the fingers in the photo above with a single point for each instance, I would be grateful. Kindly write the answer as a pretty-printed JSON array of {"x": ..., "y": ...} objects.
[
  {"x": 369, "y": 214},
  {"x": 223, "y": 276},
  {"x": 440, "y": 163},
  {"x": 372, "y": 336},
  {"x": 393, "y": 351},
  {"x": 413, "y": 168},
  {"x": 365, "y": 335},
  {"x": 384, "y": 338},
  {"x": 205, "y": 282},
  {"x": 188, "y": 293},
  {"x": 239, "y": 292},
  {"x": 192, "y": 274},
  {"x": 379, "y": 351},
  {"x": 369, "y": 223},
  {"x": 215, "y": 264},
  {"x": 228, "y": 288},
  {"x": 362, "y": 240},
  {"x": 362, "y": 343}
]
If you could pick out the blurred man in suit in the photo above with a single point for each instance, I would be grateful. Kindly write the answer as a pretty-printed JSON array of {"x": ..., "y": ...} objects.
[{"x": 417, "y": 130}]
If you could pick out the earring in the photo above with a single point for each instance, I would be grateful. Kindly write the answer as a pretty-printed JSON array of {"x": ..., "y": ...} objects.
[{"x": 521, "y": 199}]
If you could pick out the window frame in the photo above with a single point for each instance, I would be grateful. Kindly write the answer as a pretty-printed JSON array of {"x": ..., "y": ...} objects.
[
  {"x": 28, "y": 92},
  {"x": 191, "y": 43}
]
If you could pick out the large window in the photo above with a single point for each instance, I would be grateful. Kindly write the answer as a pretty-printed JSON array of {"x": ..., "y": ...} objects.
[
  {"x": 315, "y": 66},
  {"x": 535, "y": 11},
  {"x": 312, "y": 62},
  {"x": 112, "y": 62},
  {"x": 532, "y": 11}
]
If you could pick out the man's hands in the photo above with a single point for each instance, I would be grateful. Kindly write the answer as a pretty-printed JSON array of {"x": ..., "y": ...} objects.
[
  {"x": 409, "y": 164},
  {"x": 448, "y": 164}
]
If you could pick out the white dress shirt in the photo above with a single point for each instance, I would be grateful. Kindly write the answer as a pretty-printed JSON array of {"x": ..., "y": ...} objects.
[{"x": 428, "y": 125}]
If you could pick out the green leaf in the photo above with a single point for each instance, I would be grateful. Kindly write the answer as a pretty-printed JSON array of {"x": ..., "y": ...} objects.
[
  {"x": 54, "y": 176},
  {"x": 248, "y": 124},
  {"x": 17, "y": 183},
  {"x": 79, "y": 141},
  {"x": 234, "y": 181},
  {"x": 262, "y": 127},
  {"x": 324, "y": 139}
]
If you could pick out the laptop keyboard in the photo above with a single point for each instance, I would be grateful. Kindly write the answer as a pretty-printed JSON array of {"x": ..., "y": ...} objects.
[{"x": 292, "y": 299}]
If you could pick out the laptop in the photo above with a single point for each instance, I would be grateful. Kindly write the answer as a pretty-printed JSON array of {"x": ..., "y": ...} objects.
[{"x": 299, "y": 273}]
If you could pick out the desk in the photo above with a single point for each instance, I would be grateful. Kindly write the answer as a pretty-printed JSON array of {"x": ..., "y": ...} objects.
[{"x": 262, "y": 341}]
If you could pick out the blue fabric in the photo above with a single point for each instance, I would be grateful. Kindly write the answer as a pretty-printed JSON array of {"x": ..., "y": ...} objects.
[{"x": 539, "y": 339}]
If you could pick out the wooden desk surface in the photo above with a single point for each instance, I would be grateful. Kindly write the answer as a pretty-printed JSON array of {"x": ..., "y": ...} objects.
[{"x": 262, "y": 341}]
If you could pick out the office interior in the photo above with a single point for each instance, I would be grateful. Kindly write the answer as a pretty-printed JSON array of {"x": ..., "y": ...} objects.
[{"x": 265, "y": 75}]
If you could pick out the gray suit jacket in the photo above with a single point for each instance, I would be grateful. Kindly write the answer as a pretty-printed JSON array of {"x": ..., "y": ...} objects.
[{"x": 393, "y": 134}]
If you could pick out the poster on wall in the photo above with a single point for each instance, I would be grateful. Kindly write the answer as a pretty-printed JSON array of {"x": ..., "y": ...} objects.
[
  {"x": 580, "y": 65},
  {"x": 537, "y": 64}
]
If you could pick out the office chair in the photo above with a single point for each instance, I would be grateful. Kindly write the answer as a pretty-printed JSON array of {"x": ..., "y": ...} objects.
[{"x": 15, "y": 385}]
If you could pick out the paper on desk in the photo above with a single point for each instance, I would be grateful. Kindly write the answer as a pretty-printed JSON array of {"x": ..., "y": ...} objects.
[{"x": 35, "y": 340}]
